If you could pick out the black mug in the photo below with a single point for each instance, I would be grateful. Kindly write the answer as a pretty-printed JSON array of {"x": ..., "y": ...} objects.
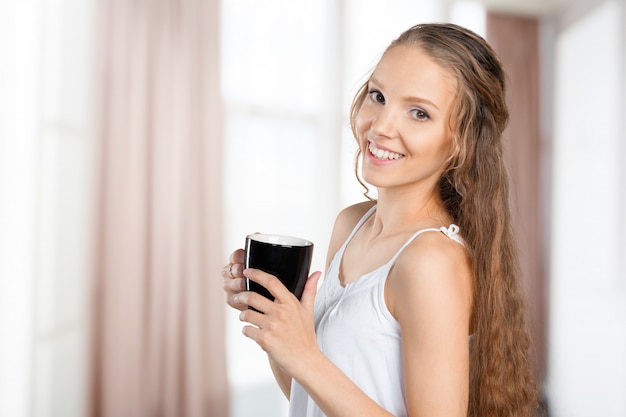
[{"x": 287, "y": 258}]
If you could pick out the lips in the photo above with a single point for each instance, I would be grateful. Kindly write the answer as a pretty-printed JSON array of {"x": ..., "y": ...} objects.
[{"x": 382, "y": 154}]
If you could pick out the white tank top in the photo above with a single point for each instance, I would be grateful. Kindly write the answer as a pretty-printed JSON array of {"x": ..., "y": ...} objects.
[{"x": 356, "y": 331}]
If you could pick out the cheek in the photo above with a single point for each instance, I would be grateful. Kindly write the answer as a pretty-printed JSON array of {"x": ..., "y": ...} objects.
[
  {"x": 448, "y": 150},
  {"x": 362, "y": 121},
  {"x": 437, "y": 144}
]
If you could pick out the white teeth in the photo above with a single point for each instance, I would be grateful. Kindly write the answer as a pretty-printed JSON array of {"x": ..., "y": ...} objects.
[{"x": 382, "y": 154}]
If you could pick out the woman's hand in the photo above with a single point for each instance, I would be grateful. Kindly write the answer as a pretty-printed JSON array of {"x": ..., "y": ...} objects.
[
  {"x": 233, "y": 279},
  {"x": 284, "y": 327}
]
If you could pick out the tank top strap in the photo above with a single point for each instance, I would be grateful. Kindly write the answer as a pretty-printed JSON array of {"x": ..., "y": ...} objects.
[
  {"x": 451, "y": 231},
  {"x": 360, "y": 223}
]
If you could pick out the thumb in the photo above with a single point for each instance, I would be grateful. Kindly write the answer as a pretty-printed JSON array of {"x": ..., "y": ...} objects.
[{"x": 310, "y": 290}]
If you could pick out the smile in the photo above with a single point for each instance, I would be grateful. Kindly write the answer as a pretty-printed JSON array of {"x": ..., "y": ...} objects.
[{"x": 383, "y": 154}]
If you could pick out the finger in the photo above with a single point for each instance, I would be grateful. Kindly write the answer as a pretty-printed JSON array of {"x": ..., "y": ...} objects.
[
  {"x": 234, "y": 285},
  {"x": 225, "y": 271},
  {"x": 253, "y": 317},
  {"x": 237, "y": 257},
  {"x": 236, "y": 270},
  {"x": 310, "y": 290},
  {"x": 231, "y": 300},
  {"x": 252, "y": 332},
  {"x": 231, "y": 271},
  {"x": 255, "y": 300},
  {"x": 270, "y": 282}
]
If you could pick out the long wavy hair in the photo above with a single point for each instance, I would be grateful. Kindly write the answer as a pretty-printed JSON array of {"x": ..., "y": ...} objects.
[{"x": 475, "y": 191}]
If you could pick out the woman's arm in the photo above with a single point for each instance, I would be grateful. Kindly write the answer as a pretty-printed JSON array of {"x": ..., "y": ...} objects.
[
  {"x": 429, "y": 291},
  {"x": 283, "y": 380},
  {"x": 334, "y": 393}
]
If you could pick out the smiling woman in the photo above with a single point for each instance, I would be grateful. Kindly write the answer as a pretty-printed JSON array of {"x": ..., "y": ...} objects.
[
  {"x": 421, "y": 311},
  {"x": 287, "y": 139},
  {"x": 285, "y": 142}
]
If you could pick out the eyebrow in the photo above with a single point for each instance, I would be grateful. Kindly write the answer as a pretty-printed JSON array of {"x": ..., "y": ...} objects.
[{"x": 409, "y": 99}]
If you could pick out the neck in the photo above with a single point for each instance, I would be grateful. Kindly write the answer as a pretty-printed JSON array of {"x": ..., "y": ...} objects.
[{"x": 396, "y": 213}]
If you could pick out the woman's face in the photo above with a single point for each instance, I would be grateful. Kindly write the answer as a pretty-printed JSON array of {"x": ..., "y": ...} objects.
[{"x": 402, "y": 126}]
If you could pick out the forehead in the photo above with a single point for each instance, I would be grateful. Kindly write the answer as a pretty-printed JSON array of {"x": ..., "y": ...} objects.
[{"x": 406, "y": 70}]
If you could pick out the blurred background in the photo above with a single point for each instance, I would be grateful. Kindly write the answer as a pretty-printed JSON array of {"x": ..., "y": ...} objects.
[{"x": 140, "y": 141}]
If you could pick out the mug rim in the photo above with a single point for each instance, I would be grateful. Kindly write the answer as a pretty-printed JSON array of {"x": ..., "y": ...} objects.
[{"x": 280, "y": 240}]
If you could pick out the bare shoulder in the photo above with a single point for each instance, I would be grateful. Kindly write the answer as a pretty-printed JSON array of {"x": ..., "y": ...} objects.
[
  {"x": 344, "y": 224},
  {"x": 350, "y": 215},
  {"x": 429, "y": 292},
  {"x": 432, "y": 272}
]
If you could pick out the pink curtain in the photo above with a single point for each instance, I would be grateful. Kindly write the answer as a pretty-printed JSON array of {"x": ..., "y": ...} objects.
[{"x": 158, "y": 310}]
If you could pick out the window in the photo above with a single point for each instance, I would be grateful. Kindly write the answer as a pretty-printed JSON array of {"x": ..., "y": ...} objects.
[{"x": 44, "y": 185}]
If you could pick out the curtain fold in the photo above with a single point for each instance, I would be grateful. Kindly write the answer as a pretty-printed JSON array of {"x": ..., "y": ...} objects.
[{"x": 157, "y": 344}]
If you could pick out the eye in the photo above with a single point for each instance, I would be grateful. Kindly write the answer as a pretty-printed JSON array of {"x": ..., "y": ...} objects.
[
  {"x": 376, "y": 96},
  {"x": 420, "y": 114}
]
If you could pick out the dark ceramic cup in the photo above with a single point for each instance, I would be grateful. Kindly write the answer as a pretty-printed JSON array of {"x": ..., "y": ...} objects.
[{"x": 288, "y": 258}]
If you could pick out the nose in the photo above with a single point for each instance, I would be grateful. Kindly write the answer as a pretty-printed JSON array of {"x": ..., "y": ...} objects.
[{"x": 384, "y": 123}]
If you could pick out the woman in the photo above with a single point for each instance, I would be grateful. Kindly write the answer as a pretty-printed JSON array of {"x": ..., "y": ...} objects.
[{"x": 421, "y": 312}]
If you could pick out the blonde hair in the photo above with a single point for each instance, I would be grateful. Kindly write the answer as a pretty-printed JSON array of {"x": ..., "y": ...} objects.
[{"x": 474, "y": 189}]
